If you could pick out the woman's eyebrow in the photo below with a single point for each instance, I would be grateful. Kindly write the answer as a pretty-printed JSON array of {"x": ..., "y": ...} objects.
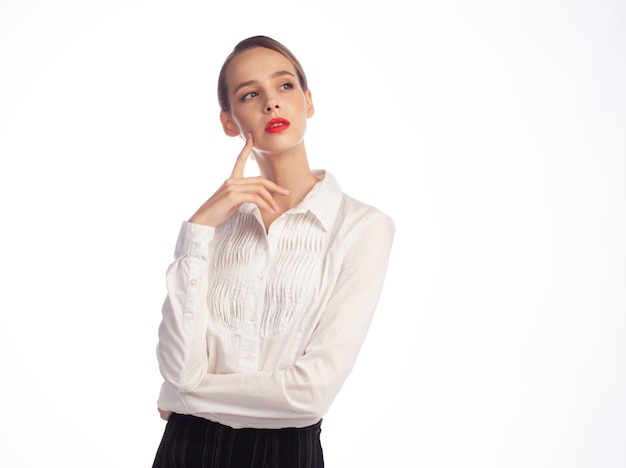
[
  {"x": 272, "y": 76},
  {"x": 243, "y": 85},
  {"x": 282, "y": 73}
]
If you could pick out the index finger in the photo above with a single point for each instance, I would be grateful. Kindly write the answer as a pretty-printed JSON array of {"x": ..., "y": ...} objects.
[{"x": 243, "y": 157}]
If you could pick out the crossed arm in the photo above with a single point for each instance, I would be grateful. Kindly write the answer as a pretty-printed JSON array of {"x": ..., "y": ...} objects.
[{"x": 305, "y": 389}]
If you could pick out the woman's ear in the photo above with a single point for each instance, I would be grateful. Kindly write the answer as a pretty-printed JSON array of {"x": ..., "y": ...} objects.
[
  {"x": 310, "y": 110},
  {"x": 228, "y": 125}
]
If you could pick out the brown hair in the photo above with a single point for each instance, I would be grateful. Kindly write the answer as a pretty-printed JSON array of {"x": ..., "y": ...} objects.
[{"x": 251, "y": 42}]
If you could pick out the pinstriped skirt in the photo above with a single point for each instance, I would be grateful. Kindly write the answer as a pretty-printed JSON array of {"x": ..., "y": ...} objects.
[{"x": 192, "y": 442}]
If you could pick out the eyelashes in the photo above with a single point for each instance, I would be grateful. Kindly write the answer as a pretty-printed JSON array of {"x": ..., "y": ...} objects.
[
  {"x": 248, "y": 96},
  {"x": 252, "y": 94}
]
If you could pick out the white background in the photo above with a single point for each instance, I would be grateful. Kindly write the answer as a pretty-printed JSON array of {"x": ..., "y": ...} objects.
[{"x": 492, "y": 132}]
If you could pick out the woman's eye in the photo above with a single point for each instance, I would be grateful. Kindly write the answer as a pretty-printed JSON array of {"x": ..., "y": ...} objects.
[
  {"x": 286, "y": 86},
  {"x": 249, "y": 95}
]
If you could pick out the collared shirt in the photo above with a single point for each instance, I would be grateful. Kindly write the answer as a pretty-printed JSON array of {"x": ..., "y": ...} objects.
[{"x": 261, "y": 329}]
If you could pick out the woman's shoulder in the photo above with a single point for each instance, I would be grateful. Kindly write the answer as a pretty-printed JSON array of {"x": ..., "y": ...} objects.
[
  {"x": 354, "y": 212},
  {"x": 349, "y": 215}
]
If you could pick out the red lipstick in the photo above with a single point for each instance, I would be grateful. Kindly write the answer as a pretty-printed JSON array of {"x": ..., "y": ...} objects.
[{"x": 277, "y": 125}]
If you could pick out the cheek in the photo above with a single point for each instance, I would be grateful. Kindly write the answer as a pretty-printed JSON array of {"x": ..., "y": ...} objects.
[
  {"x": 303, "y": 107},
  {"x": 242, "y": 123}
]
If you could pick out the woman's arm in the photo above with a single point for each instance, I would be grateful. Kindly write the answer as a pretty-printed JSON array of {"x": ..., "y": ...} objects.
[
  {"x": 308, "y": 387},
  {"x": 181, "y": 351},
  {"x": 183, "y": 359}
]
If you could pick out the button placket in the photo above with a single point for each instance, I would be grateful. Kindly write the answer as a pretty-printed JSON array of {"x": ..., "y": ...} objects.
[{"x": 250, "y": 344}]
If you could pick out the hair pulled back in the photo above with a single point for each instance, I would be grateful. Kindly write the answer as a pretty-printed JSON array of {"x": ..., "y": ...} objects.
[{"x": 249, "y": 43}]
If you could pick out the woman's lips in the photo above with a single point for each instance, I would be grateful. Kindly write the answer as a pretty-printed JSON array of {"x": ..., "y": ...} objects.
[{"x": 277, "y": 125}]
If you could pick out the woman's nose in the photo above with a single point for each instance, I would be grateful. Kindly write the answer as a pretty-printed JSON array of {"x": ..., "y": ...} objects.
[{"x": 271, "y": 105}]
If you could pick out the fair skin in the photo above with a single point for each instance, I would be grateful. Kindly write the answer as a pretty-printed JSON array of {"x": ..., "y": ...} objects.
[{"x": 262, "y": 86}]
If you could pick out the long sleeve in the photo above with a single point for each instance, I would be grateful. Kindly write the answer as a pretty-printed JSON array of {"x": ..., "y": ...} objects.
[
  {"x": 181, "y": 350},
  {"x": 303, "y": 392},
  {"x": 261, "y": 329}
]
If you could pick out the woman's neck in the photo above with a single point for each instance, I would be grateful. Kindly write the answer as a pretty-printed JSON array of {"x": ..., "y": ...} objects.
[{"x": 291, "y": 171}]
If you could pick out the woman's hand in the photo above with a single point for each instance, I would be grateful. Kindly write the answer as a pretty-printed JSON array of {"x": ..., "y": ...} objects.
[
  {"x": 165, "y": 415},
  {"x": 237, "y": 190}
]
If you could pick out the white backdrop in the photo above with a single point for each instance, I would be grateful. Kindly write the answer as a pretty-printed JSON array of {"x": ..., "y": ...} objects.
[{"x": 492, "y": 132}]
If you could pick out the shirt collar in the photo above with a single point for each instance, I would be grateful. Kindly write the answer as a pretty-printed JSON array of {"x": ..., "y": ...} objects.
[{"x": 322, "y": 201}]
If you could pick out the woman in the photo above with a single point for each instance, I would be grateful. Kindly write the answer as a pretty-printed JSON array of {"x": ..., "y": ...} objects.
[{"x": 273, "y": 287}]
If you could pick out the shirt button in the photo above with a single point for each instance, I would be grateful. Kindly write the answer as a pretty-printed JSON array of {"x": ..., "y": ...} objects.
[
  {"x": 194, "y": 282},
  {"x": 259, "y": 278},
  {"x": 254, "y": 318}
]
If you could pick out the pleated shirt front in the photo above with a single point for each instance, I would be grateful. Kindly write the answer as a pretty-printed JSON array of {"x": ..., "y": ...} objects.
[{"x": 261, "y": 329}]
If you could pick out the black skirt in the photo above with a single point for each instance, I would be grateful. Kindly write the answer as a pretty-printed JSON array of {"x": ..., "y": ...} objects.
[{"x": 192, "y": 442}]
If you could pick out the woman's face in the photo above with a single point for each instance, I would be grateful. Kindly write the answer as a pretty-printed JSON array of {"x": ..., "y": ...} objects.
[{"x": 266, "y": 100}]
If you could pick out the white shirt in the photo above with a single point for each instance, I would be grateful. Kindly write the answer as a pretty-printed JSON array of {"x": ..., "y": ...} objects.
[{"x": 261, "y": 330}]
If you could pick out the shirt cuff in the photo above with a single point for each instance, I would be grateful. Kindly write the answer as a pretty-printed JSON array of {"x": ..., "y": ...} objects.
[{"x": 194, "y": 240}]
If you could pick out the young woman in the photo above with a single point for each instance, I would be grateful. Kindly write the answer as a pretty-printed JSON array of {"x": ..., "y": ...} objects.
[{"x": 273, "y": 287}]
